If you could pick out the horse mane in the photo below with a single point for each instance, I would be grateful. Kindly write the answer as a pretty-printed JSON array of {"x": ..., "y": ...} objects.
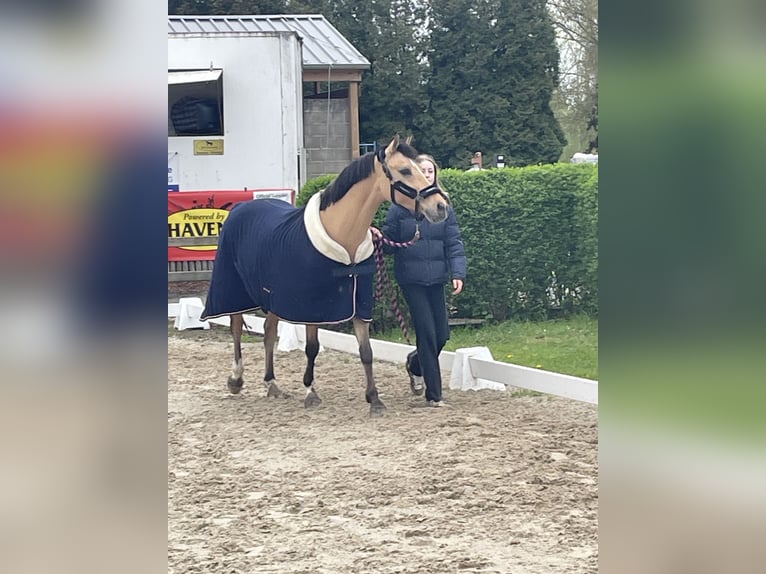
[{"x": 359, "y": 169}]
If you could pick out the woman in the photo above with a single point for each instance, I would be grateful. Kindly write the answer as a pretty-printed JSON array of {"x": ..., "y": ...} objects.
[{"x": 421, "y": 271}]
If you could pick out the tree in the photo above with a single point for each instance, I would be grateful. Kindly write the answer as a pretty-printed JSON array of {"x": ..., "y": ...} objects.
[
  {"x": 493, "y": 69},
  {"x": 460, "y": 75},
  {"x": 392, "y": 97},
  {"x": 576, "y": 100},
  {"x": 199, "y": 7},
  {"x": 385, "y": 32}
]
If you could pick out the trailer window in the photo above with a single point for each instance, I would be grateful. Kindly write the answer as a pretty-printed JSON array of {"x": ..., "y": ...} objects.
[{"x": 195, "y": 103}]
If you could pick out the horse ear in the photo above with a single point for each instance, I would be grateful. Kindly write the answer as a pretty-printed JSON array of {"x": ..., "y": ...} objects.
[
  {"x": 392, "y": 146},
  {"x": 408, "y": 140}
]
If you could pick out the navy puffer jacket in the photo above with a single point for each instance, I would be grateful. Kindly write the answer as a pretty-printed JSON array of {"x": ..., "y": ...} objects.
[{"x": 437, "y": 257}]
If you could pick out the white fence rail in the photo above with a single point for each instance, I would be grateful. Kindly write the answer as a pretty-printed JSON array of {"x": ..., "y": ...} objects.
[
  {"x": 536, "y": 380},
  {"x": 510, "y": 375}
]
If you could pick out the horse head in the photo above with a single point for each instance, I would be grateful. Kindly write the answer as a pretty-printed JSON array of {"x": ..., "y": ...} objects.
[{"x": 407, "y": 184}]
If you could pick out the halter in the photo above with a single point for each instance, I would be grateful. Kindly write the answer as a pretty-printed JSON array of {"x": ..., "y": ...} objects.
[{"x": 405, "y": 189}]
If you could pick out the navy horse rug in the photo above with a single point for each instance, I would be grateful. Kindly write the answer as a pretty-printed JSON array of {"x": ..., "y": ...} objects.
[{"x": 279, "y": 258}]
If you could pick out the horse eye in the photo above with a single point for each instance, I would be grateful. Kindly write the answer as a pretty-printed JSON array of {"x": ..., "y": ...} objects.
[{"x": 406, "y": 172}]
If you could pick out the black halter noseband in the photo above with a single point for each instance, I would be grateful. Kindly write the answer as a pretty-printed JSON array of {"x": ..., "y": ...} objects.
[{"x": 405, "y": 189}]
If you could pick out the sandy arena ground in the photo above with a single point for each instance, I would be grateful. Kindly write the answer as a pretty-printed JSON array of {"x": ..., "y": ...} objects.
[{"x": 496, "y": 483}]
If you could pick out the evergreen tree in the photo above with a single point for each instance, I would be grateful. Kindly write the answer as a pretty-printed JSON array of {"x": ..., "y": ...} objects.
[
  {"x": 223, "y": 7},
  {"x": 493, "y": 69},
  {"x": 461, "y": 75},
  {"x": 385, "y": 32},
  {"x": 393, "y": 96}
]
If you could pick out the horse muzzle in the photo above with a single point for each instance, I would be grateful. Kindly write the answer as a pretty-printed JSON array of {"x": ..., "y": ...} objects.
[{"x": 434, "y": 211}]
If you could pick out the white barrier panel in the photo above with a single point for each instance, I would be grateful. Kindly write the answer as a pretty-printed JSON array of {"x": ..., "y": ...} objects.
[
  {"x": 291, "y": 337},
  {"x": 536, "y": 380},
  {"x": 446, "y": 359},
  {"x": 381, "y": 350},
  {"x": 189, "y": 311},
  {"x": 462, "y": 377}
]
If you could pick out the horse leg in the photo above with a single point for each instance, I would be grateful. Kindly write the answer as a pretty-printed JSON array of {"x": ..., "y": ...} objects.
[
  {"x": 269, "y": 338},
  {"x": 312, "y": 350},
  {"x": 362, "y": 332},
  {"x": 235, "y": 381}
]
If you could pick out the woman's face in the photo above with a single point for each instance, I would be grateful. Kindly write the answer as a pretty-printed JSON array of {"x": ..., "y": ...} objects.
[{"x": 428, "y": 170}]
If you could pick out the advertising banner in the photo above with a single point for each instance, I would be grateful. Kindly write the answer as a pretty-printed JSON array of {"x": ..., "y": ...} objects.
[{"x": 202, "y": 213}]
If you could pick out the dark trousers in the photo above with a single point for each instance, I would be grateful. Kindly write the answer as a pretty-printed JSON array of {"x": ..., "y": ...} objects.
[{"x": 428, "y": 309}]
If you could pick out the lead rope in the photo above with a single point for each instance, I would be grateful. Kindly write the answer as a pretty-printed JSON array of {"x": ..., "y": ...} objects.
[{"x": 382, "y": 273}]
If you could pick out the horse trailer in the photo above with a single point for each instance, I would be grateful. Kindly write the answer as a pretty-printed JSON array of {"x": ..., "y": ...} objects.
[{"x": 235, "y": 111}]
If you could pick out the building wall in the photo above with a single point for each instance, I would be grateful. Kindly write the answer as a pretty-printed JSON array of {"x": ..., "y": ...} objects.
[
  {"x": 328, "y": 144},
  {"x": 263, "y": 111}
]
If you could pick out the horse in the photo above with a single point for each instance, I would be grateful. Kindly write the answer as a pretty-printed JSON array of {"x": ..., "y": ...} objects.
[{"x": 314, "y": 265}]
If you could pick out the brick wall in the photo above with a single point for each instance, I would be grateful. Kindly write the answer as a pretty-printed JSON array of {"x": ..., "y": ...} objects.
[{"x": 326, "y": 151}]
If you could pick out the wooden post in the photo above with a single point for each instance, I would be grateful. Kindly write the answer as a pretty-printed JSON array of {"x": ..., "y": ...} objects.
[{"x": 353, "y": 104}]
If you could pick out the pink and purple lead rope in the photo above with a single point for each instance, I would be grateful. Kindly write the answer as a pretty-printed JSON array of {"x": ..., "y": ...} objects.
[{"x": 382, "y": 273}]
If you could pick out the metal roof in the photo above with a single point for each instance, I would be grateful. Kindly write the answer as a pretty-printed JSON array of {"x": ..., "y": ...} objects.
[{"x": 323, "y": 45}]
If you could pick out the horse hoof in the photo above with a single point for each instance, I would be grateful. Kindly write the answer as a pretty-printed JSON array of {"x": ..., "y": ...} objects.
[
  {"x": 377, "y": 410},
  {"x": 312, "y": 400},
  {"x": 273, "y": 391},
  {"x": 235, "y": 385}
]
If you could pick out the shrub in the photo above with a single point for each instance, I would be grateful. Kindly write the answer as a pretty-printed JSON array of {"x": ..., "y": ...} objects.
[
  {"x": 530, "y": 237},
  {"x": 311, "y": 187}
]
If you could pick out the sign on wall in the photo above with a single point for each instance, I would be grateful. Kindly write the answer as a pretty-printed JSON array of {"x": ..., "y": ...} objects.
[
  {"x": 287, "y": 195},
  {"x": 202, "y": 213},
  {"x": 208, "y": 147}
]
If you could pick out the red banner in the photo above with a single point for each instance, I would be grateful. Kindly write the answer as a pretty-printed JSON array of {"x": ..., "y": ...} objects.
[{"x": 202, "y": 213}]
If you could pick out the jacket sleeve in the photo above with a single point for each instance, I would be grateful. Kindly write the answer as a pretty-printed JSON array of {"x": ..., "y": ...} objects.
[
  {"x": 391, "y": 230},
  {"x": 454, "y": 250}
]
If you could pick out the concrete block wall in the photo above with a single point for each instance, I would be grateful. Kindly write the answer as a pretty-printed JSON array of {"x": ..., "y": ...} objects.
[{"x": 327, "y": 150}]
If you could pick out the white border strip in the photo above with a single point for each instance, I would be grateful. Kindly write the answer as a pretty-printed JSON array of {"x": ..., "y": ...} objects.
[
  {"x": 547, "y": 382},
  {"x": 536, "y": 380}
]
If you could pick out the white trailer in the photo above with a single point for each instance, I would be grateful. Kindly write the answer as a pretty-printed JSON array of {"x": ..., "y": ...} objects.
[{"x": 235, "y": 111}]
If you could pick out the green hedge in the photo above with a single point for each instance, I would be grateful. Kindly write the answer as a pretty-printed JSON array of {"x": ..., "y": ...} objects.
[
  {"x": 530, "y": 237},
  {"x": 311, "y": 187}
]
